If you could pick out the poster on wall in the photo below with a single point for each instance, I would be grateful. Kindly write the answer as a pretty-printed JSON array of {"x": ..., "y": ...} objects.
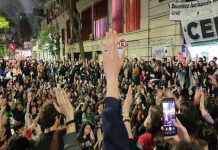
[
  {"x": 159, "y": 52},
  {"x": 201, "y": 32},
  {"x": 196, "y": 9},
  {"x": 181, "y": 55}
]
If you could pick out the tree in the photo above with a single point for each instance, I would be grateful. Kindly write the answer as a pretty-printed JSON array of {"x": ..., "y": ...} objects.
[
  {"x": 76, "y": 26},
  {"x": 4, "y": 26},
  {"x": 49, "y": 41}
]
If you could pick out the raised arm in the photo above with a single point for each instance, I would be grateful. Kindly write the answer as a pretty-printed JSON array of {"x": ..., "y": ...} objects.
[
  {"x": 115, "y": 135},
  {"x": 29, "y": 98},
  {"x": 64, "y": 106}
]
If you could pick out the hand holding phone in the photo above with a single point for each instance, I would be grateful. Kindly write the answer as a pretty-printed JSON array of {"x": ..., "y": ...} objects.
[{"x": 169, "y": 116}]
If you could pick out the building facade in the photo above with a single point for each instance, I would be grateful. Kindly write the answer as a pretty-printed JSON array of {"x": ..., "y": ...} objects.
[{"x": 144, "y": 24}]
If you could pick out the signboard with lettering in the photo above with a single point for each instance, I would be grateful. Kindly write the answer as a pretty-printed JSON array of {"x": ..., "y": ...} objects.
[
  {"x": 204, "y": 31},
  {"x": 196, "y": 9},
  {"x": 159, "y": 52}
]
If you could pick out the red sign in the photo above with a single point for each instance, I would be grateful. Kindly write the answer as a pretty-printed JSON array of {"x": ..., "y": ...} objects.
[
  {"x": 12, "y": 46},
  {"x": 122, "y": 44}
]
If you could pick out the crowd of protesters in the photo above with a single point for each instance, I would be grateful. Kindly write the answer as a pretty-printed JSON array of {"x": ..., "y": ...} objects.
[{"x": 114, "y": 105}]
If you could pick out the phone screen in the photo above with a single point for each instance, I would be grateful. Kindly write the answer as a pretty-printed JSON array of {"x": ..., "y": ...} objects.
[
  {"x": 169, "y": 113},
  {"x": 120, "y": 51},
  {"x": 152, "y": 76}
]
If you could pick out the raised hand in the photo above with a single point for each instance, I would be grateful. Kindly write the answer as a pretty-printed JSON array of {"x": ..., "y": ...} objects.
[
  {"x": 182, "y": 133},
  {"x": 29, "y": 96},
  {"x": 213, "y": 80},
  {"x": 112, "y": 62},
  {"x": 127, "y": 103},
  {"x": 2, "y": 106},
  {"x": 63, "y": 104}
]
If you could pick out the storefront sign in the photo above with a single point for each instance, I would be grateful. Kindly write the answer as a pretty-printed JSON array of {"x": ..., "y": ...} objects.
[
  {"x": 159, "y": 52},
  {"x": 201, "y": 30},
  {"x": 165, "y": 41},
  {"x": 196, "y": 9}
]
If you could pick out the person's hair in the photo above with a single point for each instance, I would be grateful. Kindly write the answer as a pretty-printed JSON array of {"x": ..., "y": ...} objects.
[
  {"x": 186, "y": 108},
  {"x": 155, "y": 114},
  {"x": 19, "y": 143},
  {"x": 48, "y": 115},
  {"x": 82, "y": 130},
  {"x": 210, "y": 105},
  {"x": 161, "y": 144},
  {"x": 186, "y": 146},
  {"x": 87, "y": 106},
  {"x": 180, "y": 64},
  {"x": 17, "y": 126}
]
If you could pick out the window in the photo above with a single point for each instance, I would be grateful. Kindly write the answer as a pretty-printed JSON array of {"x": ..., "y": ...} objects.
[
  {"x": 68, "y": 30},
  {"x": 86, "y": 23},
  {"x": 100, "y": 18},
  {"x": 132, "y": 15},
  {"x": 117, "y": 15},
  {"x": 63, "y": 35}
]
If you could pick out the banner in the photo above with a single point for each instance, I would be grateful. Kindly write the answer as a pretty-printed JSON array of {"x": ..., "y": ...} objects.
[
  {"x": 196, "y": 9},
  {"x": 201, "y": 32},
  {"x": 159, "y": 52},
  {"x": 181, "y": 55}
]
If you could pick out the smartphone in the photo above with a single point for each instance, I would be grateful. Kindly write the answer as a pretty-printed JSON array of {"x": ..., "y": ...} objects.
[
  {"x": 169, "y": 116},
  {"x": 152, "y": 76},
  {"x": 120, "y": 51}
]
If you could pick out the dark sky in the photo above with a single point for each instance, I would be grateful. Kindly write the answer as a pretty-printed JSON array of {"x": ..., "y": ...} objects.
[{"x": 13, "y": 8}]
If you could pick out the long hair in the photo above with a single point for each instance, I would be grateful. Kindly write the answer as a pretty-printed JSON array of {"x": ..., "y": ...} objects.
[
  {"x": 155, "y": 125},
  {"x": 82, "y": 130}
]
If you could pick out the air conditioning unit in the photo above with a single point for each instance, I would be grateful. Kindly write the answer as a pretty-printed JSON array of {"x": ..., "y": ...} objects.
[
  {"x": 69, "y": 41},
  {"x": 91, "y": 37}
]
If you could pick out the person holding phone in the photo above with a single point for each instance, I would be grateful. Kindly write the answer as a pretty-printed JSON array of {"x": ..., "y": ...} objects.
[
  {"x": 115, "y": 136},
  {"x": 153, "y": 125}
]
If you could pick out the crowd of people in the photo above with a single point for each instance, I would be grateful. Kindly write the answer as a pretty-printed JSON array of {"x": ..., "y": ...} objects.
[{"x": 110, "y": 105}]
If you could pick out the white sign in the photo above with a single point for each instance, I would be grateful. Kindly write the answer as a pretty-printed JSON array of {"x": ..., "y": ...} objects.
[
  {"x": 160, "y": 42},
  {"x": 122, "y": 44},
  {"x": 196, "y": 9},
  {"x": 204, "y": 30},
  {"x": 159, "y": 52},
  {"x": 27, "y": 45}
]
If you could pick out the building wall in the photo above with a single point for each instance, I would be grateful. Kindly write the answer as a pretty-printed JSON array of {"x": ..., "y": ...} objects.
[{"x": 156, "y": 30}]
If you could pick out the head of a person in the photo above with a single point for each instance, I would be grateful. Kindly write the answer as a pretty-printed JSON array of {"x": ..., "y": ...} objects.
[
  {"x": 34, "y": 110},
  {"x": 185, "y": 108},
  {"x": 215, "y": 59},
  {"x": 163, "y": 77},
  {"x": 190, "y": 92},
  {"x": 101, "y": 106},
  {"x": 212, "y": 64},
  {"x": 153, "y": 120},
  {"x": 86, "y": 129},
  {"x": 19, "y": 128},
  {"x": 210, "y": 105},
  {"x": 186, "y": 146},
  {"x": 88, "y": 109},
  {"x": 19, "y": 143},
  {"x": 19, "y": 106},
  {"x": 180, "y": 65},
  {"x": 143, "y": 72},
  {"x": 48, "y": 115}
]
